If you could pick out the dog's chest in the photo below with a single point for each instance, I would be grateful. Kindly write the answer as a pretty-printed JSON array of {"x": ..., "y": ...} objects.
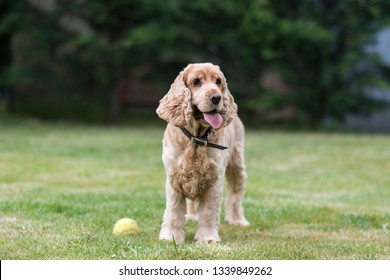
[{"x": 194, "y": 173}]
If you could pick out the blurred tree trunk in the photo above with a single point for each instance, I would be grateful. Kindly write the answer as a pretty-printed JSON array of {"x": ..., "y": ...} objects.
[{"x": 5, "y": 57}]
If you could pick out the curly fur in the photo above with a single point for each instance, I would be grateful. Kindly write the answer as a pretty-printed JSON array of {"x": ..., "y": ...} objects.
[
  {"x": 194, "y": 173},
  {"x": 175, "y": 107}
]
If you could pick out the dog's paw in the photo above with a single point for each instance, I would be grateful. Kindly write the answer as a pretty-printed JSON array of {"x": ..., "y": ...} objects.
[
  {"x": 207, "y": 240},
  {"x": 206, "y": 236},
  {"x": 177, "y": 236},
  {"x": 242, "y": 222}
]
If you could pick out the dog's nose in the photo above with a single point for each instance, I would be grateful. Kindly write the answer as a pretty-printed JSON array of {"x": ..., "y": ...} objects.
[{"x": 215, "y": 98}]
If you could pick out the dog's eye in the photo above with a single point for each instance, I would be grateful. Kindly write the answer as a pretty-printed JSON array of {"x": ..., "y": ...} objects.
[
  {"x": 218, "y": 81},
  {"x": 196, "y": 82}
]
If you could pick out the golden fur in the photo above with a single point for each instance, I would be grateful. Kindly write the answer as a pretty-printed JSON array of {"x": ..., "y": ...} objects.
[{"x": 195, "y": 173}]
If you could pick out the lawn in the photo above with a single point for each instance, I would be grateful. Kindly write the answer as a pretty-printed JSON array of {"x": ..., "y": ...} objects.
[{"x": 309, "y": 196}]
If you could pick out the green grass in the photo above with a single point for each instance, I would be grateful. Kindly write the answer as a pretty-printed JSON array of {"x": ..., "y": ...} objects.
[{"x": 309, "y": 196}]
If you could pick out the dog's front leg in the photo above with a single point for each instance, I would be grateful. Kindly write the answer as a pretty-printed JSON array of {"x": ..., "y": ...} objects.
[
  {"x": 209, "y": 211},
  {"x": 174, "y": 216}
]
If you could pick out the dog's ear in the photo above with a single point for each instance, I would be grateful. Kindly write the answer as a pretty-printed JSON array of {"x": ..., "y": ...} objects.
[
  {"x": 175, "y": 107},
  {"x": 229, "y": 110}
]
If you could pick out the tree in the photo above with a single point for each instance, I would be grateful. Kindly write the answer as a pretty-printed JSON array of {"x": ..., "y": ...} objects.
[
  {"x": 74, "y": 49},
  {"x": 9, "y": 23},
  {"x": 318, "y": 47}
]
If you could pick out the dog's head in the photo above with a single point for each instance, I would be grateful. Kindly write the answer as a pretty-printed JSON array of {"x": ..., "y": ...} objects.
[{"x": 199, "y": 93}]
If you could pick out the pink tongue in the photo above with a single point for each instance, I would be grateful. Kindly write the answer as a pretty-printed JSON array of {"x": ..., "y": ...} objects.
[{"x": 214, "y": 119}]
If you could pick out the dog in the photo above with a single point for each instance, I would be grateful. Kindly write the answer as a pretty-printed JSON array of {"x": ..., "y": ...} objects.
[{"x": 203, "y": 142}]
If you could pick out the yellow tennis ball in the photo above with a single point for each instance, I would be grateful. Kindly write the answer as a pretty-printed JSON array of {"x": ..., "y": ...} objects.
[{"x": 125, "y": 226}]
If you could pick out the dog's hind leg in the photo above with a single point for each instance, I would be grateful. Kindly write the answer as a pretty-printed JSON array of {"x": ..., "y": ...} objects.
[
  {"x": 236, "y": 176},
  {"x": 192, "y": 210}
]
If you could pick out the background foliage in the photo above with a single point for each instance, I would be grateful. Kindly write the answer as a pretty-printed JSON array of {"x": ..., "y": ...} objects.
[{"x": 71, "y": 57}]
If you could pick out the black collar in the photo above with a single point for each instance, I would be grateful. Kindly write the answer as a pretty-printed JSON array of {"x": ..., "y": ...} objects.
[{"x": 203, "y": 140}]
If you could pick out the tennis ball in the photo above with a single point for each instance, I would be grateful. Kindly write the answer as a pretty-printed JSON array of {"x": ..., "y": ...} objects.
[{"x": 125, "y": 226}]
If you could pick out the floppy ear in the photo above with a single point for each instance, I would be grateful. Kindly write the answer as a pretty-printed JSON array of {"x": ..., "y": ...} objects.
[
  {"x": 229, "y": 109},
  {"x": 175, "y": 107}
]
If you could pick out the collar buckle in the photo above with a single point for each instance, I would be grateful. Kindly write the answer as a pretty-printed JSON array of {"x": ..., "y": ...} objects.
[
  {"x": 199, "y": 141},
  {"x": 202, "y": 141}
]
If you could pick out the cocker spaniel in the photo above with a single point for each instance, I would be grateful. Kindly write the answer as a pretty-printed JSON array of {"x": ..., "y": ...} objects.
[{"x": 203, "y": 142}]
